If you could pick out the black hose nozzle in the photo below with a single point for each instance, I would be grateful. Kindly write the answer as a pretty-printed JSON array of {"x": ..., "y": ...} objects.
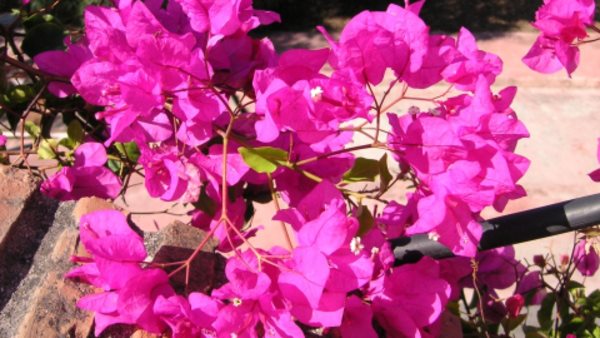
[{"x": 549, "y": 220}]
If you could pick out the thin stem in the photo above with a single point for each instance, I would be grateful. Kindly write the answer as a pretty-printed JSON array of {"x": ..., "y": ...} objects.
[
  {"x": 24, "y": 117},
  {"x": 32, "y": 70},
  {"x": 398, "y": 99},
  {"x": 186, "y": 263},
  {"x": 288, "y": 239},
  {"x": 583, "y": 42},
  {"x": 333, "y": 153},
  {"x": 378, "y": 109}
]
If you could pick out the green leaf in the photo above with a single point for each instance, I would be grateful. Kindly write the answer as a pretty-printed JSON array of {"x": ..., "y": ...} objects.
[
  {"x": 365, "y": 220},
  {"x": 384, "y": 173},
  {"x": 32, "y": 129},
  {"x": 593, "y": 302},
  {"x": 454, "y": 308},
  {"x": 46, "y": 150},
  {"x": 128, "y": 150},
  {"x": 206, "y": 204},
  {"x": 75, "y": 131},
  {"x": 510, "y": 324},
  {"x": 43, "y": 37},
  {"x": 38, "y": 19},
  {"x": 69, "y": 143},
  {"x": 364, "y": 169},
  {"x": 544, "y": 314},
  {"x": 263, "y": 160},
  {"x": 536, "y": 334},
  {"x": 114, "y": 166},
  {"x": 20, "y": 95}
]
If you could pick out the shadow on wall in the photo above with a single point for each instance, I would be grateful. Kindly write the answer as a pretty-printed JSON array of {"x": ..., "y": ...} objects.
[{"x": 441, "y": 15}]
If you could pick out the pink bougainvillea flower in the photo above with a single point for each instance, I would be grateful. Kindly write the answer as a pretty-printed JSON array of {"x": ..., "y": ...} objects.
[
  {"x": 548, "y": 55},
  {"x": 586, "y": 257},
  {"x": 497, "y": 268},
  {"x": 375, "y": 41},
  {"x": 560, "y": 24},
  {"x": 469, "y": 63},
  {"x": 295, "y": 88},
  {"x": 130, "y": 291},
  {"x": 250, "y": 301},
  {"x": 234, "y": 60},
  {"x": 304, "y": 285},
  {"x": 441, "y": 51},
  {"x": 3, "y": 140},
  {"x": 514, "y": 304},
  {"x": 224, "y": 18},
  {"x": 131, "y": 304},
  {"x": 409, "y": 299},
  {"x": 357, "y": 322},
  {"x": 449, "y": 220},
  {"x": 63, "y": 64},
  {"x": 115, "y": 248},
  {"x": 531, "y": 285},
  {"x": 565, "y": 19},
  {"x": 87, "y": 177},
  {"x": 164, "y": 172}
]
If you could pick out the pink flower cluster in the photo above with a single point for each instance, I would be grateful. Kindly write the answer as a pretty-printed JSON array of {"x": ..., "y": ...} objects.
[
  {"x": 87, "y": 177},
  {"x": 168, "y": 79},
  {"x": 562, "y": 24}
]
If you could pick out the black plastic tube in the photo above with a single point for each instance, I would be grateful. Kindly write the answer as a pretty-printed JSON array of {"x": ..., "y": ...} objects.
[{"x": 549, "y": 220}]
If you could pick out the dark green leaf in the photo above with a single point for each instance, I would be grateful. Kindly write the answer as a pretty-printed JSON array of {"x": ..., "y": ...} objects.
[
  {"x": 384, "y": 173},
  {"x": 365, "y": 220},
  {"x": 20, "y": 95},
  {"x": 536, "y": 334},
  {"x": 593, "y": 302},
  {"x": 263, "y": 160},
  {"x": 128, "y": 150},
  {"x": 206, "y": 204},
  {"x": 75, "y": 131},
  {"x": 510, "y": 324},
  {"x": 544, "y": 314},
  {"x": 364, "y": 169},
  {"x": 43, "y": 37}
]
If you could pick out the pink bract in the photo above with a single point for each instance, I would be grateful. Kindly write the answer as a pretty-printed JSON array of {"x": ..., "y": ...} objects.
[{"x": 87, "y": 177}]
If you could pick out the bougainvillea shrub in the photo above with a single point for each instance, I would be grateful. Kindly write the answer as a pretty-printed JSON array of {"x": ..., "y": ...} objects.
[{"x": 183, "y": 94}]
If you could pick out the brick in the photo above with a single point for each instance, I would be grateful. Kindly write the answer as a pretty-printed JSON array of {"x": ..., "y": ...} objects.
[
  {"x": 90, "y": 204},
  {"x": 16, "y": 188},
  {"x": 53, "y": 311}
]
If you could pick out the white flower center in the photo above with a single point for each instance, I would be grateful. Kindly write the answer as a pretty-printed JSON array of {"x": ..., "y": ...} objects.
[
  {"x": 356, "y": 245},
  {"x": 316, "y": 93},
  {"x": 434, "y": 236}
]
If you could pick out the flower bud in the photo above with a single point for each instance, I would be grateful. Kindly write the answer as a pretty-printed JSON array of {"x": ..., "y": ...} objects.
[{"x": 514, "y": 304}]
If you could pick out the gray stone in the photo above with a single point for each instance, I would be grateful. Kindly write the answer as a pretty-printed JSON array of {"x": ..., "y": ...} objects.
[{"x": 43, "y": 303}]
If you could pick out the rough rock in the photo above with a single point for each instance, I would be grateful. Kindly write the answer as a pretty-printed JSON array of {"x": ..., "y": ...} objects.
[
  {"x": 177, "y": 242},
  {"x": 23, "y": 224},
  {"x": 90, "y": 204},
  {"x": 43, "y": 304},
  {"x": 17, "y": 188}
]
